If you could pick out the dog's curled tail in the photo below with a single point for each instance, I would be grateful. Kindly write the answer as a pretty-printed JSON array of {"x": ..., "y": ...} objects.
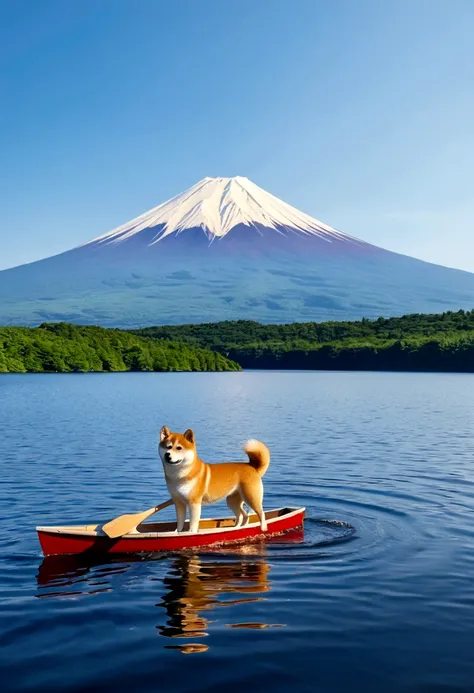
[{"x": 258, "y": 454}]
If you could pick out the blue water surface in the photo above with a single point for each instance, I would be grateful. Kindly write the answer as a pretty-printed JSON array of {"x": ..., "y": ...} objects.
[{"x": 387, "y": 606}]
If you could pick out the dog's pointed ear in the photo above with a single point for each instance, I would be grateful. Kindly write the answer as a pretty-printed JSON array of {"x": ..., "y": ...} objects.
[
  {"x": 164, "y": 433},
  {"x": 189, "y": 435}
]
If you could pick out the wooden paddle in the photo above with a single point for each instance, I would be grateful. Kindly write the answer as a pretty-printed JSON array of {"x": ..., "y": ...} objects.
[{"x": 126, "y": 523}]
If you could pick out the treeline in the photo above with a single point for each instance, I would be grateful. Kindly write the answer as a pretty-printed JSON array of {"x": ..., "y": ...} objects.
[
  {"x": 69, "y": 348},
  {"x": 414, "y": 342},
  {"x": 410, "y": 343},
  {"x": 246, "y": 332},
  {"x": 438, "y": 353}
]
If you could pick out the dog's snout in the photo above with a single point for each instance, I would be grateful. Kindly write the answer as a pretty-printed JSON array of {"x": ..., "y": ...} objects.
[{"x": 167, "y": 456}]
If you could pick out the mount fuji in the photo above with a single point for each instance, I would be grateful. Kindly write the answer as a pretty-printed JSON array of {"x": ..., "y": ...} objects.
[{"x": 225, "y": 250}]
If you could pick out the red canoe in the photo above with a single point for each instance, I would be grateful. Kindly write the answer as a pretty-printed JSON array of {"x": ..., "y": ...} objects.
[{"x": 161, "y": 536}]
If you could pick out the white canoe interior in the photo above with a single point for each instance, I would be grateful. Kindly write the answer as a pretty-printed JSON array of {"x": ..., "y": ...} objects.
[{"x": 163, "y": 529}]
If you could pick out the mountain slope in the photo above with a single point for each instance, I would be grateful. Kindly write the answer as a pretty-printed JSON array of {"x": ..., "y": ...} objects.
[{"x": 226, "y": 249}]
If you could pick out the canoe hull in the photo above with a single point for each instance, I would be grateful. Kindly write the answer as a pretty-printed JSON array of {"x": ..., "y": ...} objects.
[{"x": 162, "y": 537}]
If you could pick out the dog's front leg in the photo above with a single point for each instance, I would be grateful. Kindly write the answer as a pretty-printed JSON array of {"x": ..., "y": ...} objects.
[
  {"x": 180, "y": 514},
  {"x": 194, "y": 517}
]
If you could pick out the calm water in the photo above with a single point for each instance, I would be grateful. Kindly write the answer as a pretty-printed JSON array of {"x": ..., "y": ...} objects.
[{"x": 390, "y": 608}]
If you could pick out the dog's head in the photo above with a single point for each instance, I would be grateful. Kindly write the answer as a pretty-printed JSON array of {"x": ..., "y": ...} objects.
[{"x": 177, "y": 449}]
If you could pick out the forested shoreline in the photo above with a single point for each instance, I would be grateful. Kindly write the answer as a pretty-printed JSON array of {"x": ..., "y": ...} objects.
[
  {"x": 443, "y": 342},
  {"x": 418, "y": 342},
  {"x": 66, "y": 348}
]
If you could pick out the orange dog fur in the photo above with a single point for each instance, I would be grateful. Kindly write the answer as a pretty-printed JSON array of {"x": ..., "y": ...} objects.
[{"x": 192, "y": 483}]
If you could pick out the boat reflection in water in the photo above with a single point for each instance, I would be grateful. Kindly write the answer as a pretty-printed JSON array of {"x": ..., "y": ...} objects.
[{"x": 193, "y": 586}]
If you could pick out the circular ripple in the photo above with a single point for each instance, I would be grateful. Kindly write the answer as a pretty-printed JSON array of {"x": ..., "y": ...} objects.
[{"x": 318, "y": 534}]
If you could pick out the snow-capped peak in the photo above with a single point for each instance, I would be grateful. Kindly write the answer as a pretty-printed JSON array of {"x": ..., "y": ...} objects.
[{"x": 217, "y": 205}]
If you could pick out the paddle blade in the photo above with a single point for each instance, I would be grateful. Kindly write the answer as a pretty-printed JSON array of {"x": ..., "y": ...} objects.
[{"x": 126, "y": 523}]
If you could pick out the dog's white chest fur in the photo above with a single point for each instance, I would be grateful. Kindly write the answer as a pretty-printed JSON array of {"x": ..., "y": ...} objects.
[{"x": 182, "y": 487}]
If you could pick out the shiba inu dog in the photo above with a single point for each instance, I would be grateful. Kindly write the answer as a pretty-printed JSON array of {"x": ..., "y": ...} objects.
[{"x": 192, "y": 483}]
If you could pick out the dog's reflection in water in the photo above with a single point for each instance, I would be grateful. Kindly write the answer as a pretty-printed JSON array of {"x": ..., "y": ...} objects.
[{"x": 195, "y": 586}]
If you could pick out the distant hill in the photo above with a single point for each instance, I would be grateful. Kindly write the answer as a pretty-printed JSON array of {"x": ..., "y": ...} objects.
[
  {"x": 68, "y": 348},
  {"x": 434, "y": 342},
  {"x": 443, "y": 342}
]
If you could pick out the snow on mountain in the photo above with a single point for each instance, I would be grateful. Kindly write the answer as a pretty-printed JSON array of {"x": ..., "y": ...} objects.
[{"x": 217, "y": 205}]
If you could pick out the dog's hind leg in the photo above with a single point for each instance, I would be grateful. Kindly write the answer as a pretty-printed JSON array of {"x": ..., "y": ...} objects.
[
  {"x": 252, "y": 493},
  {"x": 245, "y": 514},
  {"x": 236, "y": 504}
]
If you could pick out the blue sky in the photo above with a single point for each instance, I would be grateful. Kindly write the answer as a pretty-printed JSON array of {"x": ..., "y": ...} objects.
[{"x": 358, "y": 113}]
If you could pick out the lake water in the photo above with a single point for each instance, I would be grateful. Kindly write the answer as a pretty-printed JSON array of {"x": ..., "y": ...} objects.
[{"x": 388, "y": 608}]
